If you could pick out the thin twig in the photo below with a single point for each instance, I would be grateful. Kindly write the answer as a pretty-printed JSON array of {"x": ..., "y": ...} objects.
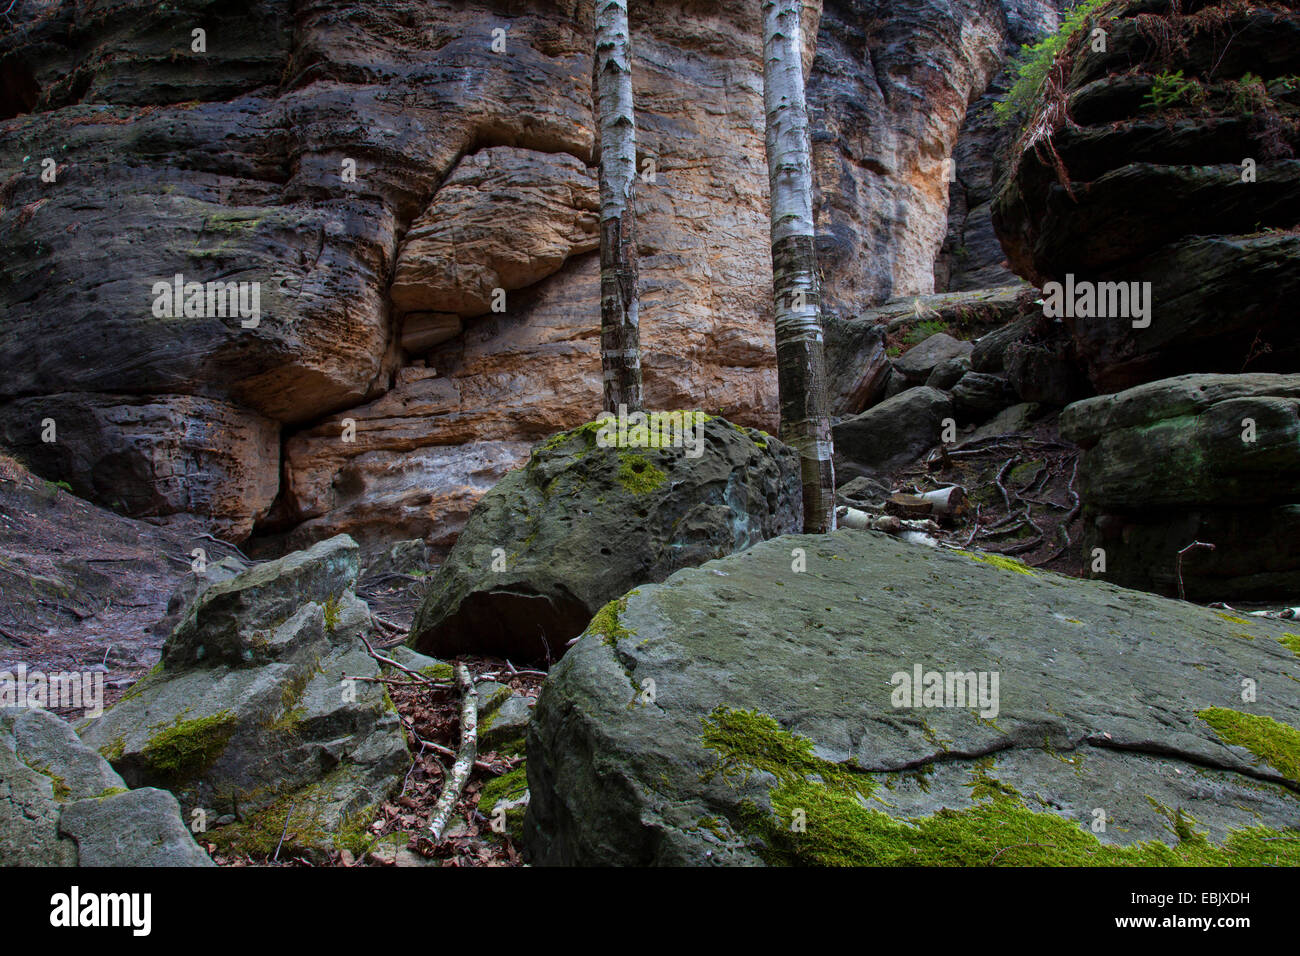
[
  {"x": 1020, "y": 548},
  {"x": 1074, "y": 511},
  {"x": 448, "y": 752},
  {"x": 369, "y": 582},
  {"x": 998, "y": 478},
  {"x": 975, "y": 527},
  {"x": 1012, "y": 437},
  {"x": 410, "y": 729},
  {"x": 227, "y": 544},
  {"x": 1178, "y": 564},
  {"x": 384, "y": 622},
  {"x": 1009, "y": 525},
  {"x": 392, "y": 663},
  {"x": 514, "y": 672},
  {"x": 394, "y": 682},
  {"x": 283, "y": 833},
  {"x": 1030, "y": 521},
  {"x": 1043, "y": 501},
  {"x": 1048, "y": 560},
  {"x": 546, "y": 645}
]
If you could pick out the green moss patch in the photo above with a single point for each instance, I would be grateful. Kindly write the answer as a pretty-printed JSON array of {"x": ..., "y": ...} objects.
[
  {"x": 1291, "y": 642},
  {"x": 819, "y": 816},
  {"x": 606, "y": 622},
  {"x": 292, "y": 712},
  {"x": 58, "y": 785},
  {"x": 1275, "y": 743},
  {"x": 301, "y": 819},
  {"x": 148, "y": 680},
  {"x": 999, "y": 561},
  {"x": 637, "y": 475},
  {"x": 189, "y": 747},
  {"x": 113, "y": 752},
  {"x": 331, "y": 608},
  {"x": 507, "y": 788},
  {"x": 440, "y": 672},
  {"x": 747, "y": 741}
]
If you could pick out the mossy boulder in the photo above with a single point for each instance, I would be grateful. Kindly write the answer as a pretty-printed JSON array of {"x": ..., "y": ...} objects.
[
  {"x": 1211, "y": 458},
  {"x": 61, "y": 804},
  {"x": 750, "y": 713},
  {"x": 254, "y": 712},
  {"x": 503, "y": 723},
  {"x": 234, "y": 621},
  {"x": 581, "y": 523}
]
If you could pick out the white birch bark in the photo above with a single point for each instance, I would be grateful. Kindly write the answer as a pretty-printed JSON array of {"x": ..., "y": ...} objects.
[
  {"x": 454, "y": 785},
  {"x": 620, "y": 346},
  {"x": 801, "y": 366}
]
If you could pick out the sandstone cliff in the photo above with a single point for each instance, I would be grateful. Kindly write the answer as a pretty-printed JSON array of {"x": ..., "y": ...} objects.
[{"x": 379, "y": 171}]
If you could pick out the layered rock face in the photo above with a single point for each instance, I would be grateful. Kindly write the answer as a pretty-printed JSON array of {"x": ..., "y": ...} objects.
[
  {"x": 470, "y": 175},
  {"x": 381, "y": 173},
  {"x": 971, "y": 256},
  {"x": 747, "y": 712},
  {"x": 904, "y": 137},
  {"x": 1156, "y": 187},
  {"x": 1178, "y": 168},
  {"x": 295, "y": 150},
  {"x": 889, "y": 93},
  {"x": 84, "y": 587}
]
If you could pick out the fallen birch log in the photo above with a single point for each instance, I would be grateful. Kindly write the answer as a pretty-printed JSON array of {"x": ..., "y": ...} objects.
[
  {"x": 945, "y": 501},
  {"x": 454, "y": 785},
  {"x": 890, "y": 524}
]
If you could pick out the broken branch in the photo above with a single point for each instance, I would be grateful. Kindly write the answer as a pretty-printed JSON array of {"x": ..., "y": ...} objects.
[
  {"x": 460, "y": 770},
  {"x": 1178, "y": 565},
  {"x": 388, "y": 661}
]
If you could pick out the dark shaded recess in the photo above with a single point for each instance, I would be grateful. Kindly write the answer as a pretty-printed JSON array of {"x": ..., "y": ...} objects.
[
  {"x": 18, "y": 89},
  {"x": 518, "y": 625}
]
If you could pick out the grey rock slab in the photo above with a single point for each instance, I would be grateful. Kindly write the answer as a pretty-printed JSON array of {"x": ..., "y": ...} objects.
[
  {"x": 136, "y": 828},
  {"x": 1099, "y": 692}
]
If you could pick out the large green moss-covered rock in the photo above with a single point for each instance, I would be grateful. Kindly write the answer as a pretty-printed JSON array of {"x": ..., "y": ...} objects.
[
  {"x": 744, "y": 712},
  {"x": 1186, "y": 441},
  {"x": 580, "y": 524},
  {"x": 61, "y": 804},
  {"x": 250, "y": 715},
  {"x": 1210, "y": 458}
]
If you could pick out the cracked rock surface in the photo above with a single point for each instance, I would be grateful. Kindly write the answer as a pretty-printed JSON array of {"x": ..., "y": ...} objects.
[
  {"x": 61, "y": 804},
  {"x": 1098, "y": 701}
]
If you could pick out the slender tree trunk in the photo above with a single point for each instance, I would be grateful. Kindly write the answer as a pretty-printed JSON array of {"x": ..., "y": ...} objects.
[
  {"x": 801, "y": 364},
  {"x": 620, "y": 334}
]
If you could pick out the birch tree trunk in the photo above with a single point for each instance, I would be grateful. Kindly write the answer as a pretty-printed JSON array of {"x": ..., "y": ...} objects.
[
  {"x": 620, "y": 334},
  {"x": 801, "y": 364}
]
